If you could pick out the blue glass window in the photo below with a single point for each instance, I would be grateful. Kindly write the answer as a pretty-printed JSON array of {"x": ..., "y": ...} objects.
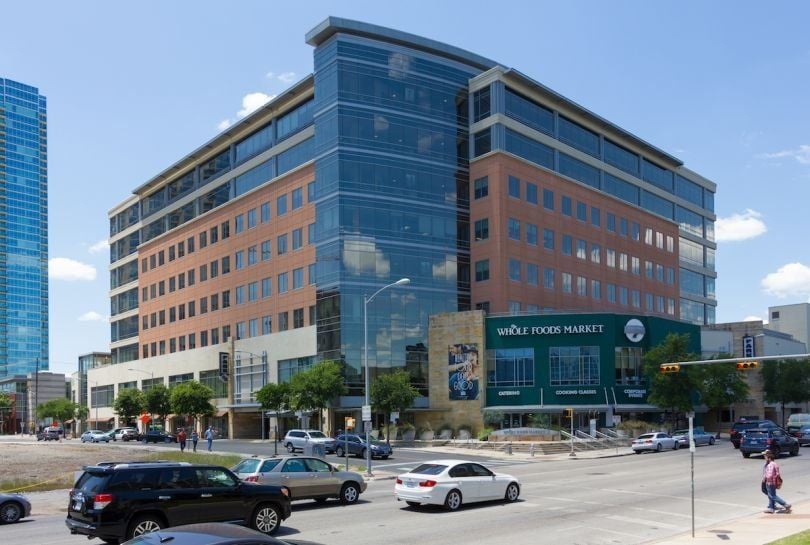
[
  {"x": 529, "y": 112},
  {"x": 281, "y": 205},
  {"x": 621, "y": 189},
  {"x": 481, "y": 187},
  {"x": 215, "y": 166},
  {"x": 657, "y": 205},
  {"x": 482, "y": 229},
  {"x": 689, "y": 221},
  {"x": 514, "y": 229},
  {"x": 296, "y": 156},
  {"x": 531, "y": 234},
  {"x": 297, "y": 198},
  {"x": 282, "y": 283},
  {"x": 576, "y": 169},
  {"x": 548, "y": 278},
  {"x": 611, "y": 222},
  {"x": 481, "y": 104},
  {"x": 295, "y": 120},
  {"x": 514, "y": 269},
  {"x": 577, "y": 136},
  {"x": 482, "y": 142},
  {"x": 510, "y": 367},
  {"x": 255, "y": 177},
  {"x": 255, "y": 143},
  {"x": 596, "y": 217},
  {"x": 482, "y": 270},
  {"x": 529, "y": 149},
  {"x": 688, "y": 190},
  {"x": 567, "y": 245},
  {"x": 548, "y": 239},
  {"x": 582, "y": 211},
  {"x": 656, "y": 175},
  {"x": 548, "y": 199},
  {"x": 621, "y": 158},
  {"x": 514, "y": 187},
  {"x": 532, "y": 274},
  {"x": 566, "y": 206},
  {"x": 531, "y": 193}
]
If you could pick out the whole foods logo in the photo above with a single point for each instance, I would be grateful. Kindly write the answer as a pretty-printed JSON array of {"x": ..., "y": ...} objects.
[{"x": 634, "y": 330}]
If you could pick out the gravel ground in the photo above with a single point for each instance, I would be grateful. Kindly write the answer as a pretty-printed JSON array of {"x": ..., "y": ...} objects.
[{"x": 25, "y": 459}]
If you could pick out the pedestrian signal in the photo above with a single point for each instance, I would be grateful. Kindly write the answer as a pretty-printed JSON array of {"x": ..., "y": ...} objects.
[
  {"x": 223, "y": 365},
  {"x": 670, "y": 368},
  {"x": 569, "y": 412},
  {"x": 747, "y": 365}
]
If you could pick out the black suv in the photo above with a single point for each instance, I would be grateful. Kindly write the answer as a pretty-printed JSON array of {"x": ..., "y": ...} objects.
[
  {"x": 777, "y": 440},
  {"x": 738, "y": 429},
  {"x": 118, "y": 501}
]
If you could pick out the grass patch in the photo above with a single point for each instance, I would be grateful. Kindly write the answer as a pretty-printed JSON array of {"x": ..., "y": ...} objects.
[
  {"x": 802, "y": 538},
  {"x": 53, "y": 481}
]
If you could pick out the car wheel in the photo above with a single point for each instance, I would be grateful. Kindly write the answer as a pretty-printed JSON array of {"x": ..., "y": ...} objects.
[
  {"x": 10, "y": 512},
  {"x": 144, "y": 524},
  {"x": 350, "y": 493},
  {"x": 413, "y": 503},
  {"x": 290, "y": 448},
  {"x": 746, "y": 454},
  {"x": 711, "y": 441},
  {"x": 659, "y": 447},
  {"x": 266, "y": 519},
  {"x": 675, "y": 446},
  {"x": 363, "y": 454},
  {"x": 453, "y": 500},
  {"x": 339, "y": 452},
  {"x": 512, "y": 492},
  {"x": 794, "y": 451}
]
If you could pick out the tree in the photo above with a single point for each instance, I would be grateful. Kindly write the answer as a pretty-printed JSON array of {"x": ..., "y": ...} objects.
[
  {"x": 786, "y": 381},
  {"x": 392, "y": 392},
  {"x": 59, "y": 409},
  {"x": 129, "y": 404},
  {"x": 81, "y": 412},
  {"x": 5, "y": 409},
  {"x": 276, "y": 398},
  {"x": 315, "y": 388},
  {"x": 673, "y": 390},
  {"x": 192, "y": 399},
  {"x": 158, "y": 402},
  {"x": 720, "y": 384}
]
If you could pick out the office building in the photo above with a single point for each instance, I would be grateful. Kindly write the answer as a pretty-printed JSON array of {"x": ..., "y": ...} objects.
[
  {"x": 399, "y": 157},
  {"x": 793, "y": 320},
  {"x": 23, "y": 230}
]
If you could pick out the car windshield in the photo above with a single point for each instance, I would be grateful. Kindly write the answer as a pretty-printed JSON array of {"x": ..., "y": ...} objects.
[
  {"x": 91, "y": 482},
  {"x": 755, "y": 433},
  {"x": 247, "y": 466},
  {"x": 646, "y": 436},
  {"x": 429, "y": 469},
  {"x": 317, "y": 435},
  {"x": 682, "y": 432}
]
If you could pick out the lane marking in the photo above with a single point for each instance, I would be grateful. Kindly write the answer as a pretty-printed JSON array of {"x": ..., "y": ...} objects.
[{"x": 644, "y": 522}]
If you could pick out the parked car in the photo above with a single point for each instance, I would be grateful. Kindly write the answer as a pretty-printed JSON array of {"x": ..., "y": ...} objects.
[
  {"x": 803, "y": 436},
  {"x": 13, "y": 507},
  {"x": 157, "y": 436},
  {"x": 48, "y": 435},
  {"x": 451, "y": 482},
  {"x": 211, "y": 533},
  {"x": 777, "y": 440},
  {"x": 306, "y": 477},
  {"x": 298, "y": 439},
  {"x": 118, "y": 501},
  {"x": 655, "y": 441},
  {"x": 738, "y": 429},
  {"x": 95, "y": 436},
  {"x": 356, "y": 445},
  {"x": 129, "y": 434},
  {"x": 115, "y": 433},
  {"x": 796, "y": 422},
  {"x": 700, "y": 436}
]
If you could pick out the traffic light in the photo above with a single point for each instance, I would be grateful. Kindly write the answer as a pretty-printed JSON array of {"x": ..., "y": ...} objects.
[
  {"x": 223, "y": 366},
  {"x": 670, "y": 368},
  {"x": 569, "y": 412},
  {"x": 747, "y": 365}
]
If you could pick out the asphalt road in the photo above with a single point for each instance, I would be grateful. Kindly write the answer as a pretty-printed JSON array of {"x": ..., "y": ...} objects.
[{"x": 621, "y": 500}]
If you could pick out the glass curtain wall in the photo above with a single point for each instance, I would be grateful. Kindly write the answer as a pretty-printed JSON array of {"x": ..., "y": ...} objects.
[
  {"x": 24, "y": 230},
  {"x": 392, "y": 196}
]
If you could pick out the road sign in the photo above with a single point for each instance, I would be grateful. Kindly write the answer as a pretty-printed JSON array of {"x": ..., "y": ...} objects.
[
  {"x": 367, "y": 426},
  {"x": 366, "y": 413}
]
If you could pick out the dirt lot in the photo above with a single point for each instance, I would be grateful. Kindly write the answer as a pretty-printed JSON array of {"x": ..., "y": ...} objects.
[{"x": 26, "y": 462}]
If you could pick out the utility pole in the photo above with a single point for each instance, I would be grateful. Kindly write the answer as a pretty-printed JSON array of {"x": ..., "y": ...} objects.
[
  {"x": 36, "y": 395},
  {"x": 231, "y": 374}
]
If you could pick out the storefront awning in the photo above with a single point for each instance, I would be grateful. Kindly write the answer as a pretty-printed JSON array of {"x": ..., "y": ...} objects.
[
  {"x": 545, "y": 408},
  {"x": 220, "y": 413}
]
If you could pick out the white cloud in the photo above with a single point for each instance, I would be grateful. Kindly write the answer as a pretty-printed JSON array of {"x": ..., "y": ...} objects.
[
  {"x": 63, "y": 268},
  {"x": 801, "y": 154},
  {"x": 252, "y": 102},
  {"x": 738, "y": 227},
  {"x": 286, "y": 77},
  {"x": 791, "y": 280},
  {"x": 98, "y": 247},
  {"x": 91, "y": 316},
  {"x": 224, "y": 124},
  {"x": 752, "y": 319}
]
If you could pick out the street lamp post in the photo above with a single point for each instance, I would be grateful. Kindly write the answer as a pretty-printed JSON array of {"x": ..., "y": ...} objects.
[
  {"x": 152, "y": 379},
  {"x": 366, "y": 301}
]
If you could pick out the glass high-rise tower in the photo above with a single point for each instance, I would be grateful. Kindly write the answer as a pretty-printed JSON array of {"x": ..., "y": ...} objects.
[{"x": 23, "y": 230}]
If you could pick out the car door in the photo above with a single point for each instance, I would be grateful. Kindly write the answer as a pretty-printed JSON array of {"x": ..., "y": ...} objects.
[
  {"x": 466, "y": 481},
  {"x": 489, "y": 487},
  {"x": 325, "y": 481},
  {"x": 220, "y": 498},
  {"x": 296, "y": 477},
  {"x": 355, "y": 445},
  {"x": 178, "y": 496}
]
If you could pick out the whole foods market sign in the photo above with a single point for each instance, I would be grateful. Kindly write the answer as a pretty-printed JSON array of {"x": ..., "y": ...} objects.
[{"x": 517, "y": 331}]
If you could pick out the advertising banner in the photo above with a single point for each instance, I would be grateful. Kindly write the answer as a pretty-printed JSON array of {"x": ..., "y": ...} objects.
[{"x": 463, "y": 368}]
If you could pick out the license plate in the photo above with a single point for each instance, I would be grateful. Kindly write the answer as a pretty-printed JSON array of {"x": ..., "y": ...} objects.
[
  {"x": 77, "y": 506},
  {"x": 410, "y": 484}
]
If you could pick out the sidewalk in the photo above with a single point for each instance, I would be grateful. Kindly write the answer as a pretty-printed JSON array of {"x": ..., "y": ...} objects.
[{"x": 754, "y": 529}]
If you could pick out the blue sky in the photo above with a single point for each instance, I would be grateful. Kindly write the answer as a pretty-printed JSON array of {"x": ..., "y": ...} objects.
[{"x": 132, "y": 87}]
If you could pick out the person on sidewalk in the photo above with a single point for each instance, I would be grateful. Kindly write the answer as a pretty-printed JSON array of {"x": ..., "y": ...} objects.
[
  {"x": 772, "y": 478},
  {"x": 194, "y": 438},
  {"x": 181, "y": 438},
  {"x": 209, "y": 436}
]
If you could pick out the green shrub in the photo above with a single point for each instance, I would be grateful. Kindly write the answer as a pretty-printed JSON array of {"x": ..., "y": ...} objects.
[{"x": 483, "y": 435}]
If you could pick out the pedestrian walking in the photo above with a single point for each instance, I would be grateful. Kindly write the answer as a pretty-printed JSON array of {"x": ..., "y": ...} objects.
[
  {"x": 181, "y": 438},
  {"x": 194, "y": 438},
  {"x": 772, "y": 479},
  {"x": 209, "y": 436}
]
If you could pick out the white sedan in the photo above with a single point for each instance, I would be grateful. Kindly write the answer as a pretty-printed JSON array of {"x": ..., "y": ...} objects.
[
  {"x": 94, "y": 436},
  {"x": 453, "y": 482},
  {"x": 656, "y": 441}
]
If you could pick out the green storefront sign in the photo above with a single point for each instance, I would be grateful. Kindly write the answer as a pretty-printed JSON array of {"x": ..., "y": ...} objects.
[{"x": 591, "y": 360}]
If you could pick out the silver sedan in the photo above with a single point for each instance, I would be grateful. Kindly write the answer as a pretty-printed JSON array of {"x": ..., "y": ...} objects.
[
  {"x": 655, "y": 441},
  {"x": 701, "y": 437}
]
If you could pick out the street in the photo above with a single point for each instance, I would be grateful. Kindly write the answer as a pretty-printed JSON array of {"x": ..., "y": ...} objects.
[{"x": 629, "y": 500}]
